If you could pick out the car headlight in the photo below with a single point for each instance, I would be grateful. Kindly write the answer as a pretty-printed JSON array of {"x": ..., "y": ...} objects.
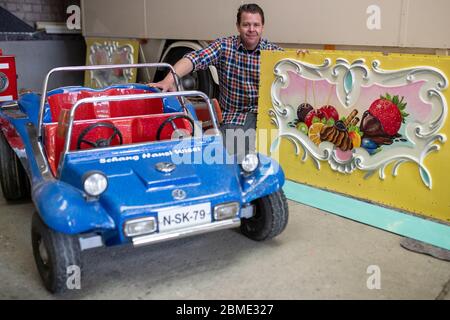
[
  {"x": 250, "y": 162},
  {"x": 139, "y": 227},
  {"x": 95, "y": 183},
  {"x": 226, "y": 211}
]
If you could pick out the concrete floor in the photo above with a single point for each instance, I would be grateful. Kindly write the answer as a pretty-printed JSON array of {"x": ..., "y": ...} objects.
[{"x": 319, "y": 256}]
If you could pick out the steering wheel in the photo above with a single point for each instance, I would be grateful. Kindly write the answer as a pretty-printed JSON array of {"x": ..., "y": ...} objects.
[
  {"x": 102, "y": 142},
  {"x": 171, "y": 120}
]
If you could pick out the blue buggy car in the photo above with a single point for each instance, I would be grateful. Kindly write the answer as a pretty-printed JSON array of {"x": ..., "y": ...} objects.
[{"x": 128, "y": 165}]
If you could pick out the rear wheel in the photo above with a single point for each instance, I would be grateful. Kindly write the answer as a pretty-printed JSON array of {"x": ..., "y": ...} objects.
[
  {"x": 200, "y": 80},
  {"x": 13, "y": 178},
  {"x": 57, "y": 256},
  {"x": 270, "y": 217}
]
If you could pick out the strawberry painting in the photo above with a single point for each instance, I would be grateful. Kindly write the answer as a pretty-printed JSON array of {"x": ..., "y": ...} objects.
[
  {"x": 390, "y": 111},
  {"x": 382, "y": 122},
  {"x": 359, "y": 116}
]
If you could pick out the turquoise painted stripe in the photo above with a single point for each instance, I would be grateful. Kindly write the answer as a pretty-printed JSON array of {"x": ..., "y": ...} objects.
[{"x": 400, "y": 223}]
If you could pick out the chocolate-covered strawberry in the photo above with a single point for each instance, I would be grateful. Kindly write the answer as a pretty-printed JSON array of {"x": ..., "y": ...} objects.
[
  {"x": 373, "y": 129},
  {"x": 384, "y": 118},
  {"x": 371, "y": 126}
]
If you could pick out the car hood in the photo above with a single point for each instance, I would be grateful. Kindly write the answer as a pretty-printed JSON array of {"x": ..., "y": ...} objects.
[{"x": 138, "y": 177}]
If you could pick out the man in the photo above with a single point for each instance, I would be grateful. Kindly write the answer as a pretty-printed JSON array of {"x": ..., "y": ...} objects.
[{"x": 237, "y": 59}]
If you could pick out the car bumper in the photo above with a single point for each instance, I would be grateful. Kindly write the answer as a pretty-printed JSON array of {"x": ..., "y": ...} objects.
[{"x": 195, "y": 230}]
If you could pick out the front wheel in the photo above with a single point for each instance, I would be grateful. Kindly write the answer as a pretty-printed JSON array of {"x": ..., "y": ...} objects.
[
  {"x": 57, "y": 257},
  {"x": 270, "y": 217}
]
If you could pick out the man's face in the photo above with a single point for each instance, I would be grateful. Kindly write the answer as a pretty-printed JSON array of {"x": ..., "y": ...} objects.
[{"x": 250, "y": 29}]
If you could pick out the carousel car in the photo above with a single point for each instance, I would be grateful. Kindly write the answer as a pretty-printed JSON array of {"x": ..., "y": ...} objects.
[{"x": 127, "y": 164}]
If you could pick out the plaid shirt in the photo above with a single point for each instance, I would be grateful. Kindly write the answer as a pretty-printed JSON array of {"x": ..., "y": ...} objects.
[{"x": 238, "y": 74}]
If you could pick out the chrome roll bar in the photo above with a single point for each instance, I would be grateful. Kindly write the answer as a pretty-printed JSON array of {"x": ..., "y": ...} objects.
[
  {"x": 99, "y": 67},
  {"x": 140, "y": 96}
]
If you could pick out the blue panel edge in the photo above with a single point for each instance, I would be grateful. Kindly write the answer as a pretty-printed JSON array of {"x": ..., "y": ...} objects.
[{"x": 403, "y": 224}]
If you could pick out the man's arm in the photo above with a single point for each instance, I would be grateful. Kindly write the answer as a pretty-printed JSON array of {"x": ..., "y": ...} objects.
[
  {"x": 200, "y": 60},
  {"x": 182, "y": 68}
]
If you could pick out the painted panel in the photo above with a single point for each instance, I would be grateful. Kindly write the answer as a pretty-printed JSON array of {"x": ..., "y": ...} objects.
[
  {"x": 101, "y": 51},
  {"x": 367, "y": 125}
]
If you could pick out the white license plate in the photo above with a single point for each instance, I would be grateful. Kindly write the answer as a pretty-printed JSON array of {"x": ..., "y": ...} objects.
[{"x": 184, "y": 217}]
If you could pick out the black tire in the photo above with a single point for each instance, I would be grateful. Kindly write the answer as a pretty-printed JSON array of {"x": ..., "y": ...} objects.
[
  {"x": 270, "y": 219},
  {"x": 14, "y": 180},
  {"x": 54, "y": 253},
  {"x": 199, "y": 80}
]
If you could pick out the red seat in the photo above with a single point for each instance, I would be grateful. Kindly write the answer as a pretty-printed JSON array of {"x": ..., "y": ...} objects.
[
  {"x": 101, "y": 110},
  {"x": 204, "y": 115},
  {"x": 134, "y": 129},
  {"x": 117, "y": 112}
]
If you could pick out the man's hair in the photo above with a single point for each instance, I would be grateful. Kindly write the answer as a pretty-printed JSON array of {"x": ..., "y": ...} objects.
[{"x": 250, "y": 8}]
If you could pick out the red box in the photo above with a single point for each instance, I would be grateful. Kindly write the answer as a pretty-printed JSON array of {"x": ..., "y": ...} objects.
[{"x": 8, "y": 78}]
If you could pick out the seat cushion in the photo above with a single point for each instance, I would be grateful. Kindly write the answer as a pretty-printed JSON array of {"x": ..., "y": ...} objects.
[{"x": 100, "y": 110}]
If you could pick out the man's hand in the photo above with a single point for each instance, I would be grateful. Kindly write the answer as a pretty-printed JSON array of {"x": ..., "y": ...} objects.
[
  {"x": 165, "y": 85},
  {"x": 182, "y": 68}
]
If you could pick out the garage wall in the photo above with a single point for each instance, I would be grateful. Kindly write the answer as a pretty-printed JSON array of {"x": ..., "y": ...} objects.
[
  {"x": 35, "y": 58},
  {"x": 37, "y": 52},
  {"x": 31, "y": 11}
]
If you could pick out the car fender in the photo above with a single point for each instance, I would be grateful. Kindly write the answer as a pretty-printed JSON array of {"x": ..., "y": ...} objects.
[
  {"x": 267, "y": 179},
  {"x": 65, "y": 209}
]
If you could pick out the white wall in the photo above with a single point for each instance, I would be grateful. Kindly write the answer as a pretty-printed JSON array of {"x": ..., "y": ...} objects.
[{"x": 403, "y": 23}]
